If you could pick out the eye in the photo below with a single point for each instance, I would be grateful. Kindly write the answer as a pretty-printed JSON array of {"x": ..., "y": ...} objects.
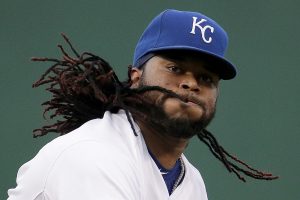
[
  {"x": 206, "y": 79},
  {"x": 175, "y": 69}
]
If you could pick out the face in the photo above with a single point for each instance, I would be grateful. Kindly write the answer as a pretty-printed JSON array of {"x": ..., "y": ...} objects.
[{"x": 189, "y": 78}]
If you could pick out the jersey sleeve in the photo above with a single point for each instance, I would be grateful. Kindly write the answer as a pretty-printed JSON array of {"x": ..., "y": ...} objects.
[{"x": 87, "y": 170}]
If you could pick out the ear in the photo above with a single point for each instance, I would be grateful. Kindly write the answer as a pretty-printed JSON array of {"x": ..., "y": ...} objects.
[{"x": 135, "y": 77}]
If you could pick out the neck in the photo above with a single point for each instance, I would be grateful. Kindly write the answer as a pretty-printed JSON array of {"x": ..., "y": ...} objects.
[{"x": 166, "y": 149}]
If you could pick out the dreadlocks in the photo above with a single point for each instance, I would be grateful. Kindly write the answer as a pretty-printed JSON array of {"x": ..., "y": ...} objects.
[{"x": 86, "y": 86}]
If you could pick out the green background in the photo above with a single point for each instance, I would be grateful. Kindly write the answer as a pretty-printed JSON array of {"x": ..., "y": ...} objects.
[{"x": 257, "y": 117}]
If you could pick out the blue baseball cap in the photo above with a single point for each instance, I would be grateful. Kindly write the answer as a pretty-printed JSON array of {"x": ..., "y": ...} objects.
[{"x": 185, "y": 30}]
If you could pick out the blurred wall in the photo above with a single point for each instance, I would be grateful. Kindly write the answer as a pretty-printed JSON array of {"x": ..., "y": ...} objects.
[{"x": 257, "y": 117}]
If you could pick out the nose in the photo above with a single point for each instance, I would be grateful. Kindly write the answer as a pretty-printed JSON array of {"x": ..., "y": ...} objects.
[{"x": 190, "y": 84}]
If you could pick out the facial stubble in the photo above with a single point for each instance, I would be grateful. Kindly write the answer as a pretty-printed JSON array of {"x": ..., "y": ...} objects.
[{"x": 179, "y": 127}]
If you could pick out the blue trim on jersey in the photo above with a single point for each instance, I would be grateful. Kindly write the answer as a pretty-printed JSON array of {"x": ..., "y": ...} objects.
[{"x": 170, "y": 176}]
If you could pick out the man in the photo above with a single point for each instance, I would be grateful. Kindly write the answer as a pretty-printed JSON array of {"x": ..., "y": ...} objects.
[{"x": 126, "y": 140}]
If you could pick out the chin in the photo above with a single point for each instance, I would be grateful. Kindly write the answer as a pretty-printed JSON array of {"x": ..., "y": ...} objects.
[
  {"x": 183, "y": 127},
  {"x": 188, "y": 124},
  {"x": 173, "y": 117}
]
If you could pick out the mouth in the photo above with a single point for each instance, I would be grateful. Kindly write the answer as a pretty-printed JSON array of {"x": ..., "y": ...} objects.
[{"x": 193, "y": 101}]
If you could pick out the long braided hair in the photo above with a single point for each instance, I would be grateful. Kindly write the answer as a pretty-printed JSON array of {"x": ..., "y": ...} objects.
[{"x": 85, "y": 86}]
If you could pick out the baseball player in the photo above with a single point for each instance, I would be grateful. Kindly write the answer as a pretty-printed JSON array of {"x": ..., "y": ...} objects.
[{"x": 125, "y": 140}]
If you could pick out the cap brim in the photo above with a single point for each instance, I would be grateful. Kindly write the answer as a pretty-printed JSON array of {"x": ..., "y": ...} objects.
[{"x": 221, "y": 66}]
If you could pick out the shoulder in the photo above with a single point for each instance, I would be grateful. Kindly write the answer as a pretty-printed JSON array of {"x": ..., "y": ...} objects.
[
  {"x": 109, "y": 139},
  {"x": 112, "y": 132},
  {"x": 100, "y": 149}
]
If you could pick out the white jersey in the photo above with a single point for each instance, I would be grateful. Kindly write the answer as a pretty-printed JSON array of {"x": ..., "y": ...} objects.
[{"x": 102, "y": 159}]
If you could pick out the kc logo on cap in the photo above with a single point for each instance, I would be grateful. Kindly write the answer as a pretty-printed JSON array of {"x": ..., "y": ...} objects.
[
  {"x": 202, "y": 29},
  {"x": 185, "y": 30}
]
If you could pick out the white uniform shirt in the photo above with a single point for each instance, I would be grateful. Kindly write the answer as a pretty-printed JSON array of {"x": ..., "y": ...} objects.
[{"x": 102, "y": 159}]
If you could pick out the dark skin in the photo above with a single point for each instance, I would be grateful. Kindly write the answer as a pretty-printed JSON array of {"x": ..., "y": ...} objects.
[
  {"x": 186, "y": 72},
  {"x": 188, "y": 77}
]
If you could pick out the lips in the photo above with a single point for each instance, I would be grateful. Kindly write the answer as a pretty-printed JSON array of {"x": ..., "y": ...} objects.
[
  {"x": 190, "y": 99},
  {"x": 192, "y": 103}
]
